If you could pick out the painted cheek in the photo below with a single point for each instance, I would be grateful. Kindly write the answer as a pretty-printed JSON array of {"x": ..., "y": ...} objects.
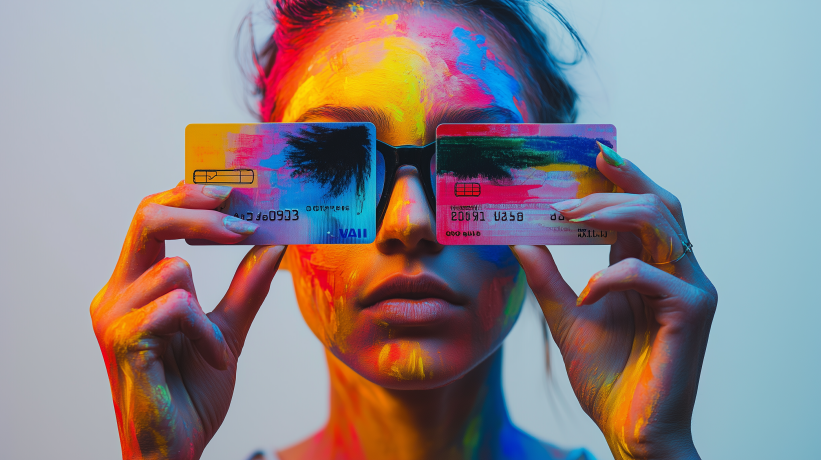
[
  {"x": 499, "y": 256},
  {"x": 325, "y": 284},
  {"x": 483, "y": 262},
  {"x": 500, "y": 302}
]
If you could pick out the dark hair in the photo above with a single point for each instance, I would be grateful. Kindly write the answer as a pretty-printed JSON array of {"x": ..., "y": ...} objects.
[{"x": 544, "y": 79}]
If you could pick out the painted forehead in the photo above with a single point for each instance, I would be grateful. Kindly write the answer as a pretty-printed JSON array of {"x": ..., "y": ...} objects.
[{"x": 406, "y": 63}]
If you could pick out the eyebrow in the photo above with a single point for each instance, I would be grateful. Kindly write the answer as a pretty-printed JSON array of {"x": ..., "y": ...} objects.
[
  {"x": 378, "y": 117},
  {"x": 489, "y": 114},
  {"x": 383, "y": 121}
]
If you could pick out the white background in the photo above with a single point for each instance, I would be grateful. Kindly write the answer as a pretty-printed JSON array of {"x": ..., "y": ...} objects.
[{"x": 718, "y": 101}]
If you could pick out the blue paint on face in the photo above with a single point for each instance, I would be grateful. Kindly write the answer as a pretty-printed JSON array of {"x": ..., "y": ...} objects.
[
  {"x": 500, "y": 256},
  {"x": 494, "y": 81}
]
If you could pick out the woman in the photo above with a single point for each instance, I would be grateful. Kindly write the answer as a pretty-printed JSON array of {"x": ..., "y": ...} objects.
[{"x": 413, "y": 329}]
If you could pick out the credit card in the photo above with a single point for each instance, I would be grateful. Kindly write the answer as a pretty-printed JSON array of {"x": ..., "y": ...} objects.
[
  {"x": 303, "y": 183},
  {"x": 495, "y": 182}
]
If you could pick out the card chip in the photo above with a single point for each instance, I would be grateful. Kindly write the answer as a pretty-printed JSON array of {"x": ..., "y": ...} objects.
[
  {"x": 224, "y": 176},
  {"x": 467, "y": 189}
]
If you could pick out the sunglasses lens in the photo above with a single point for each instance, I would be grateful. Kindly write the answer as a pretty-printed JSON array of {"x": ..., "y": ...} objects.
[{"x": 380, "y": 175}]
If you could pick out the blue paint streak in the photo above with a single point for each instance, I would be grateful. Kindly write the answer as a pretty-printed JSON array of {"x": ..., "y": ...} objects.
[{"x": 492, "y": 80}]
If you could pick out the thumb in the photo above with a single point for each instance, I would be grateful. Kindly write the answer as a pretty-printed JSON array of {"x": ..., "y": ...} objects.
[
  {"x": 556, "y": 298},
  {"x": 248, "y": 289}
]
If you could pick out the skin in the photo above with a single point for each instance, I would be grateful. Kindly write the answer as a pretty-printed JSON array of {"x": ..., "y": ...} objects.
[{"x": 633, "y": 346}]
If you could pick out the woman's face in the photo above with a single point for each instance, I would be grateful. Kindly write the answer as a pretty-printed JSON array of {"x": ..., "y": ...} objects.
[{"x": 405, "y": 312}]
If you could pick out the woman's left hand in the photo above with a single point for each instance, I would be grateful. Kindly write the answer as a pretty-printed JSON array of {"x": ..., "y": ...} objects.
[{"x": 634, "y": 341}]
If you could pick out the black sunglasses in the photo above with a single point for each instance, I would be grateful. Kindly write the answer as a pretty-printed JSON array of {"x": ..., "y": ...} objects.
[{"x": 390, "y": 159}]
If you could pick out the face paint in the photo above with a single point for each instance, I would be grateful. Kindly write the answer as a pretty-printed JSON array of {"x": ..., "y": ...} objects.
[
  {"x": 407, "y": 65},
  {"x": 447, "y": 309},
  {"x": 493, "y": 76},
  {"x": 405, "y": 361}
]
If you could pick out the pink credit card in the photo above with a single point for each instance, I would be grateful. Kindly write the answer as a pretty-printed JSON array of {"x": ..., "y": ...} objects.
[{"x": 495, "y": 182}]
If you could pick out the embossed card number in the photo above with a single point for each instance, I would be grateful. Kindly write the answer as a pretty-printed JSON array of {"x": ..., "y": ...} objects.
[{"x": 270, "y": 215}]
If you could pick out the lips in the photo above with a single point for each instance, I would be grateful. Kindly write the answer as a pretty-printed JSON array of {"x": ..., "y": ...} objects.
[{"x": 411, "y": 300}]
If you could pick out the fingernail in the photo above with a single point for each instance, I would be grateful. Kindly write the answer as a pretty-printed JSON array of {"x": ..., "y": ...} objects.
[
  {"x": 583, "y": 296},
  {"x": 582, "y": 219},
  {"x": 610, "y": 156},
  {"x": 265, "y": 250},
  {"x": 566, "y": 205},
  {"x": 239, "y": 226},
  {"x": 586, "y": 291},
  {"x": 219, "y": 192}
]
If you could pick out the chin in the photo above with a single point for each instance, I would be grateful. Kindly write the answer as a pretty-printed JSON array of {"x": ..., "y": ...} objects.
[{"x": 415, "y": 363}]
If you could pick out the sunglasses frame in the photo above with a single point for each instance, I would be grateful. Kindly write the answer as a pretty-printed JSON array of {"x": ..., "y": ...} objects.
[{"x": 404, "y": 155}]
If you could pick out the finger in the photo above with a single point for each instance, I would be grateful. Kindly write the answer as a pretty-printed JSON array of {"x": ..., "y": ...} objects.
[
  {"x": 578, "y": 207},
  {"x": 179, "y": 311},
  {"x": 154, "y": 223},
  {"x": 631, "y": 179},
  {"x": 633, "y": 274},
  {"x": 163, "y": 277},
  {"x": 248, "y": 289},
  {"x": 555, "y": 296},
  {"x": 193, "y": 196},
  {"x": 645, "y": 217}
]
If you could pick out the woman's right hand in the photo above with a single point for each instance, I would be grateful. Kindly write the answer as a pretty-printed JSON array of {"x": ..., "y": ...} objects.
[{"x": 171, "y": 366}]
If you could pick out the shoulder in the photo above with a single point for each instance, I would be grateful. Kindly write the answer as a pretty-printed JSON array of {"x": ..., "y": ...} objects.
[{"x": 519, "y": 444}]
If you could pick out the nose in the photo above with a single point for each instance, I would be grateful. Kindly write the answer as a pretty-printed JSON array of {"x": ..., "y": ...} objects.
[{"x": 409, "y": 225}]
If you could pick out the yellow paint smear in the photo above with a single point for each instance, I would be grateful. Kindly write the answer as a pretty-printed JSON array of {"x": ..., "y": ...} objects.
[
  {"x": 408, "y": 365},
  {"x": 590, "y": 179},
  {"x": 353, "y": 77}
]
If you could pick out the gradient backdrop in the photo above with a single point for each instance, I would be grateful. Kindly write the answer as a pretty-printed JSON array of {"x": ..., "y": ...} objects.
[{"x": 718, "y": 101}]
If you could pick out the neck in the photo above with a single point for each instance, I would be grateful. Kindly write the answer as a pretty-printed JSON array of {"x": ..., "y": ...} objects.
[{"x": 458, "y": 420}]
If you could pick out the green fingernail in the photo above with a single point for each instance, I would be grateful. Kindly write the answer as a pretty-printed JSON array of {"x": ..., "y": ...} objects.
[
  {"x": 239, "y": 226},
  {"x": 610, "y": 156},
  {"x": 219, "y": 192},
  {"x": 582, "y": 219}
]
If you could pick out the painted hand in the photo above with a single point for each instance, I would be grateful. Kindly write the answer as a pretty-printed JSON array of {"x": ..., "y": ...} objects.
[
  {"x": 171, "y": 366},
  {"x": 634, "y": 341}
]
